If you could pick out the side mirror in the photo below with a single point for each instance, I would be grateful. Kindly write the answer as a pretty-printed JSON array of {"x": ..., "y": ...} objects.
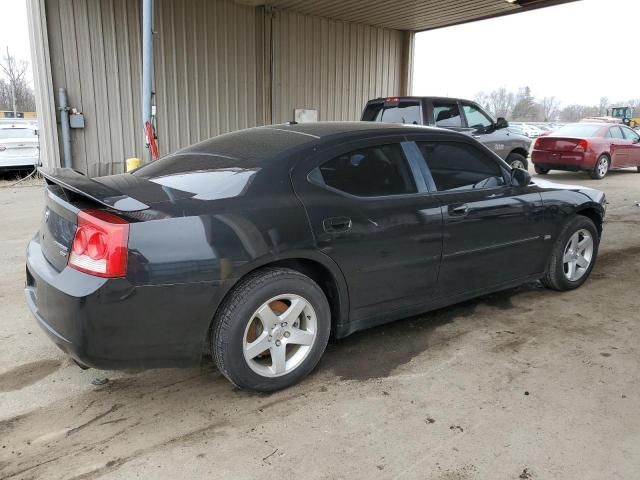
[
  {"x": 501, "y": 123},
  {"x": 520, "y": 177}
]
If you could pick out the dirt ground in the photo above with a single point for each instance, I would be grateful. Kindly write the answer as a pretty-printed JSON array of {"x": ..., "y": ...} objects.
[{"x": 523, "y": 384}]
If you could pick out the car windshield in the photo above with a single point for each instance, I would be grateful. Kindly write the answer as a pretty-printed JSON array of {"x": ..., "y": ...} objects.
[
  {"x": 577, "y": 130},
  {"x": 16, "y": 133}
]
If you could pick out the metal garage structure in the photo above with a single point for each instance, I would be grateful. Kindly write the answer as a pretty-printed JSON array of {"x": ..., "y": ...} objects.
[{"x": 222, "y": 65}]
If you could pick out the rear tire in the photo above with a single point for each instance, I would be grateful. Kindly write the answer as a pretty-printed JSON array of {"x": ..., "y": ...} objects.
[
  {"x": 601, "y": 168},
  {"x": 576, "y": 245},
  {"x": 281, "y": 311},
  {"x": 516, "y": 160},
  {"x": 540, "y": 170}
]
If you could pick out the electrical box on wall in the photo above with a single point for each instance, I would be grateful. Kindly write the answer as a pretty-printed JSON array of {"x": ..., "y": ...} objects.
[
  {"x": 76, "y": 120},
  {"x": 305, "y": 115}
]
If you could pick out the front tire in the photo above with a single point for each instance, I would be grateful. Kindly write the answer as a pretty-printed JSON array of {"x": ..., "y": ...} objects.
[
  {"x": 573, "y": 256},
  {"x": 601, "y": 168},
  {"x": 271, "y": 330},
  {"x": 540, "y": 170},
  {"x": 516, "y": 160}
]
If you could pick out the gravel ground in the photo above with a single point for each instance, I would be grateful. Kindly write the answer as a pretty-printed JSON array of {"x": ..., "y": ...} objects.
[{"x": 522, "y": 384}]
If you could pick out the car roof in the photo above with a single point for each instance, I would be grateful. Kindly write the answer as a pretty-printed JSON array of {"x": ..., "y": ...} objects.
[
  {"x": 258, "y": 145},
  {"x": 416, "y": 97},
  {"x": 323, "y": 130}
]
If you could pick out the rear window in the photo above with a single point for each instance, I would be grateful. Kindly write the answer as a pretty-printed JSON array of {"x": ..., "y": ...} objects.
[
  {"x": 401, "y": 112},
  {"x": 446, "y": 114},
  {"x": 224, "y": 166},
  {"x": 577, "y": 130},
  {"x": 16, "y": 133}
]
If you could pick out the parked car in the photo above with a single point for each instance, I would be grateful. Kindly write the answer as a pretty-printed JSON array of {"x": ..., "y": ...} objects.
[
  {"x": 531, "y": 131},
  {"x": 591, "y": 147},
  {"x": 455, "y": 114},
  {"x": 257, "y": 245},
  {"x": 19, "y": 146}
]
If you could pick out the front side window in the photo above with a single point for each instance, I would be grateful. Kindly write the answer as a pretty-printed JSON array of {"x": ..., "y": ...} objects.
[
  {"x": 370, "y": 172},
  {"x": 458, "y": 166},
  {"x": 630, "y": 134},
  {"x": 476, "y": 118},
  {"x": 446, "y": 114}
]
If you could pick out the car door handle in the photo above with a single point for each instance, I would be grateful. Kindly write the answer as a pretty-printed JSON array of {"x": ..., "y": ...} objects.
[
  {"x": 336, "y": 224},
  {"x": 459, "y": 210}
]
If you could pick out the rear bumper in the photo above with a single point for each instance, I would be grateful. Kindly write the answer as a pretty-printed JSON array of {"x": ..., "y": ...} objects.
[
  {"x": 110, "y": 324},
  {"x": 15, "y": 162},
  {"x": 571, "y": 161}
]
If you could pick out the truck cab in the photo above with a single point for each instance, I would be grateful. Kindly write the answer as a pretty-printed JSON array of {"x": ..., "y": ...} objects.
[{"x": 455, "y": 114}]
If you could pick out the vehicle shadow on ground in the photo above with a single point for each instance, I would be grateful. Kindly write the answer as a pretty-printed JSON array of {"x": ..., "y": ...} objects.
[
  {"x": 376, "y": 352},
  {"x": 580, "y": 177}
]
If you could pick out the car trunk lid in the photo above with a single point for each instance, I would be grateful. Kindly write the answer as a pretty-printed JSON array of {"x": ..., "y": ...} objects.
[
  {"x": 558, "y": 144},
  {"x": 67, "y": 193}
]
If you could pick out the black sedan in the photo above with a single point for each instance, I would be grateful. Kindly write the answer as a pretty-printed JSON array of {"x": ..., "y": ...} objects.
[{"x": 256, "y": 246}]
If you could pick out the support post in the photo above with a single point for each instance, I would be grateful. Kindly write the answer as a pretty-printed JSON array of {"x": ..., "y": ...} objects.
[{"x": 147, "y": 65}]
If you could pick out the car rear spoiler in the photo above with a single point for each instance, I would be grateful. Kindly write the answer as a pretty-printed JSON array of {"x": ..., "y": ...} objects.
[{"x": 78, "y": 183}]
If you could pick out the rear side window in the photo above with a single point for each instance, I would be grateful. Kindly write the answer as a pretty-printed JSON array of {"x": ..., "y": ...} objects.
[
  {"x": 615, "y": 132},
  {"x": 446, "y": 114},
  {"x": 370, "y": 172},
  {"x": 458, "y": 166},
  {"x": 401, "y": 112}
]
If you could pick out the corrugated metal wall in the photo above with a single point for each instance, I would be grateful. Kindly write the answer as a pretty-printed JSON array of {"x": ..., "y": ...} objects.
[
  {"x": 212, "y": 71},
  {"x": 208, "y": 69},
  {"x": 332, "y": 66},
  {"x": 95, "y": 54}
]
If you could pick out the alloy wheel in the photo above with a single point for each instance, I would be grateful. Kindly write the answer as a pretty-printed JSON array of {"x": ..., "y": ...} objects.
[
  {"x": 578, "y": 255},
  {"x": 603, "y": 166},
  {"x": 280, "y": 335},
  {"x": 517, "y": 164}
]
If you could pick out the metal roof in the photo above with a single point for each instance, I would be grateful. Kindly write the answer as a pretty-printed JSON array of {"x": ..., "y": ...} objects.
[{"x": 415, "y": 15}]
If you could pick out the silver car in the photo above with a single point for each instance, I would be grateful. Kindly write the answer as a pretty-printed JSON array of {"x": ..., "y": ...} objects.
[
  {"x": 19, "y": 146},
  {"x": 455, "y": 114}
]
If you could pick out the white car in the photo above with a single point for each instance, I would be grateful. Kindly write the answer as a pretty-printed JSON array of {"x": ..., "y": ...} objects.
[{"x": 19, "y": 145}]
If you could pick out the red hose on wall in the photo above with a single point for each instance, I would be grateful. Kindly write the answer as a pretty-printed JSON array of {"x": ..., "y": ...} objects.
[{"x": 151, "y": 140}]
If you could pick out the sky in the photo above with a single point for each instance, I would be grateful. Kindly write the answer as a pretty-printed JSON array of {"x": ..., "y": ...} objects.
[
  {"x": 557, "y": 51},
  {"x": 14, "y": 31}
]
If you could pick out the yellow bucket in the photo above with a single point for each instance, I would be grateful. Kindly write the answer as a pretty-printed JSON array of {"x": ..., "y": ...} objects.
[{"x": 133, "y": 163}]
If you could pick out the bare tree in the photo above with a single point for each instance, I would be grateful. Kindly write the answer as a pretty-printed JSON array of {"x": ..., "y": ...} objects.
[
  {"x": 501, "y": 102},
  {"x": 15, "y": 93},
  {"x": 603, "y": 106},
  {"x": 481, "y": 99},
  {"x": 574, "y": 113},
  {"x": 525, "y": 108},
  {"x": 549, "y": 107}
]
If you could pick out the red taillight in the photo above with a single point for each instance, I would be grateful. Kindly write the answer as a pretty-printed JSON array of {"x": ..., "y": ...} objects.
[
  {"x": 581, "y": 146},
  {"x": 392, "y": 99},
  {"x": 100, "y": 244}
]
